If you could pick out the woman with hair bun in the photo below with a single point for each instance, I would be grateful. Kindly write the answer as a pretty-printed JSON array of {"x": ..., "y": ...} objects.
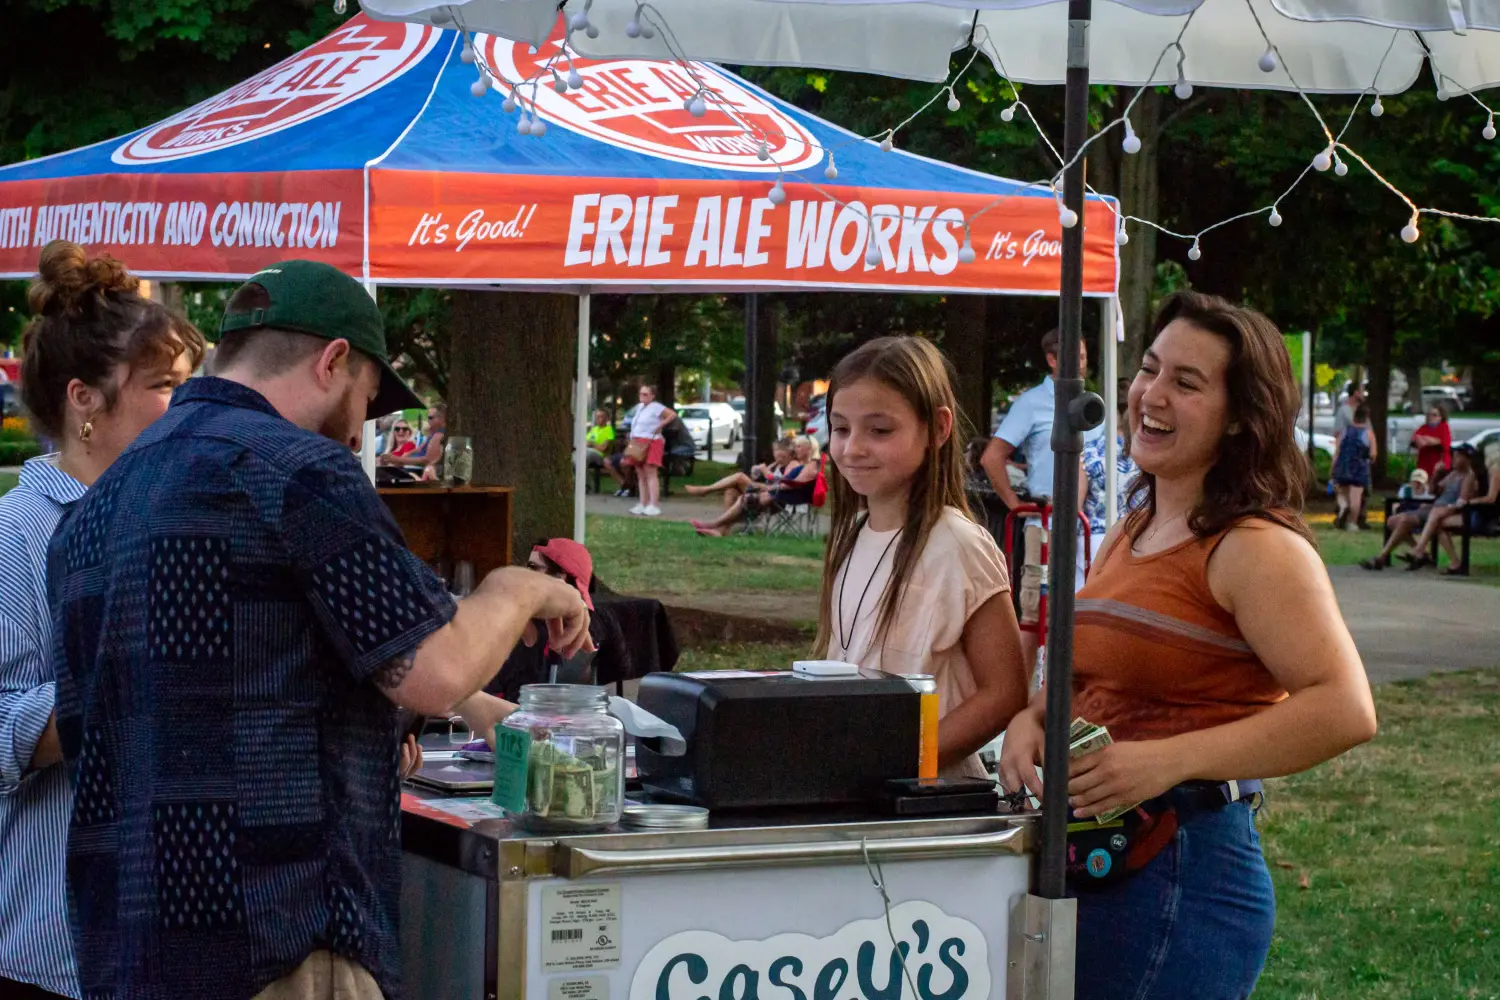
[{"x": 100, "y": 364}]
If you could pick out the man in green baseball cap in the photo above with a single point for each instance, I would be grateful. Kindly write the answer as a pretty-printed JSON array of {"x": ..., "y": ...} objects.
[
  {"x": 236, "y": 568},
  {"x": 315, "y": 324}
]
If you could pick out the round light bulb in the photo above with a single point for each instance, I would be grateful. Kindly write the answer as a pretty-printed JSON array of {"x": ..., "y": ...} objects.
[
  {"x": 1275, "y": 218},
  {"x": 1068, "y": 218},
  {"x": 831, "y": 171},
  {"x": 1322, "y": 161},
  {"x": 777, "y": 195},
  {"x": 1195, "y": 252},
  {"x": 763, "y": 152},
  {"x": 1377, "y": 109},
  {"x": 966, "y": 252},
  {"x": 1267, "y": 61},
  {"x": 697, "y": 107},
  {"x": 1183, "y": 90},
  {"x": 887, "y": 144},
  {"x": 1340, "y": 168},
  {"x": 1443, "y": 94},
  {"x": 592, "y": 31},
  {"x": 872, "y": 255},
  {"x": 953, "y": 104},
  {"x": 559, "y": 84},
  {"x": 575, "y": 79},
  {"x": 1132, "y": 143},
  {"x": 632, "y": 28},
  {"x": 648, "y": 32},
  {"x": 523, "y": 127},
  {"x": 340, "y": 7},
  {"x": 467, "y": 56},
  {"x": 1122, "y": 237},
  {"x": 508, "y": 105},
  {"x": 538, "y": 128},
  {"x": 1489, "y": 128},
  {"x": 1409, "y": 232},
  {"x": 479, "y": 86},
  {"x": 580, "y": 21},
  {"x": 1008, "y": 114}
]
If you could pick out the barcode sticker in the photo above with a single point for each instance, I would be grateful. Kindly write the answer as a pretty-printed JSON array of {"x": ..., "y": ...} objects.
[{"x": 580, "y": 928}]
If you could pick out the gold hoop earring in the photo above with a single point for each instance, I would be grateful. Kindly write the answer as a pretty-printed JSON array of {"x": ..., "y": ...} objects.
[{"x": 86, "y": 431}]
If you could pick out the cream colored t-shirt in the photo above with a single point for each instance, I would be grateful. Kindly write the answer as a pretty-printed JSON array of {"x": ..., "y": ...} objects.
[{"x": 959, "y": 569}]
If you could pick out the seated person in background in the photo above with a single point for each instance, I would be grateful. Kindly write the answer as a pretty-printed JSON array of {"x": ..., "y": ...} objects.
[
  {"x": 599, "y": 439},
  {"x": 794, "y": 489},
  {"x": 1416, "y": 486},
  {"x": 737, "y": 484},
  {"x": 425, "y": 457},
  {"x": 402, "y": 442},
  {"x": 1412, "y": 528},
  {"x": 1480, "y": 510}
]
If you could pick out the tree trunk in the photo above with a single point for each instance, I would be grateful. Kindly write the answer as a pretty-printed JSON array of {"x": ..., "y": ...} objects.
[
  {"x": 964, "y": 341},
  {"x": 1380, "y": 335},
  {"x": 1414, "y": 387},
  {"x": 762, "y": 395},
  {"x": 666, "y": 385},
  {"x": 510, "y": 390},
  {"x": 1140, "y": 195}
]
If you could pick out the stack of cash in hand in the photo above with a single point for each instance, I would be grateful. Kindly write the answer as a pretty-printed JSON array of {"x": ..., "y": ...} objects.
[{"x": 1084, "y": 738}]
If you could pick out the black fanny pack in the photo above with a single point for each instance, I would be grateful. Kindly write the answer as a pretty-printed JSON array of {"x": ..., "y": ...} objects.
[{"x": 1102, "y": 854}]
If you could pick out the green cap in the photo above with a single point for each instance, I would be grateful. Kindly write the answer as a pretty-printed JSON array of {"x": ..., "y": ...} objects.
[{"x": 322, "y": 301}]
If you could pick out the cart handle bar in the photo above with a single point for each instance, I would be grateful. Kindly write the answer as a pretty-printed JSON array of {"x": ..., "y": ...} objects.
[{"x": 573, "y": 861}]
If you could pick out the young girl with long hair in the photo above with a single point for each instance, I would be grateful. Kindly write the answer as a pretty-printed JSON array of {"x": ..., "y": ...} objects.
[
  {"x": 1209, "y": 643},
  {"x": 911, "y": 584}
]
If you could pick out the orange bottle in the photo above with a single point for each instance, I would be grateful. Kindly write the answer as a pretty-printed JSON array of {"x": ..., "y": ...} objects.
[{"x": 926, "y": 686}]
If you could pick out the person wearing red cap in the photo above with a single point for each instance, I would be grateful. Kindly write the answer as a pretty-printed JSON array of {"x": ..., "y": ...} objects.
[{"x": 565, "y": 559}]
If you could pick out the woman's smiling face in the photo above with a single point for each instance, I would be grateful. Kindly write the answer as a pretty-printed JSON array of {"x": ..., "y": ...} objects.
[{"x": 1179, "y": 402}]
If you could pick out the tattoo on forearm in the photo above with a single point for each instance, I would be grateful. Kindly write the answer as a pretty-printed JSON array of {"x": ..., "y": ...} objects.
[{"x": 390, "y": 676}]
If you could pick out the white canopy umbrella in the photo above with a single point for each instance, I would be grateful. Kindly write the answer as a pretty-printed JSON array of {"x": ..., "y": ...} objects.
[
  {"x": 1328, "y": 46},
  {"x": 1312, "y": 46}
]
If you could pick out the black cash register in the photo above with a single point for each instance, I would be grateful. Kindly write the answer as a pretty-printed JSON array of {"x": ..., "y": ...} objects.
[{"x": 781, "y": 739}]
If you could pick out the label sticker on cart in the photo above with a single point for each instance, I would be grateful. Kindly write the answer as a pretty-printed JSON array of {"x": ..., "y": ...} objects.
[
  {"x": 587, "y": 988},
  {"x": 580, "y": 928}
]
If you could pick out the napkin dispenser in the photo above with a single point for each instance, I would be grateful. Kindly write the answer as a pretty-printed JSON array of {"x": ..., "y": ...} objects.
[{"x": 779, "y": 740}]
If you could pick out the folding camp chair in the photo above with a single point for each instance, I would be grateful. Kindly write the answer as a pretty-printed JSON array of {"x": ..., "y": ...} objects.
[{"x": 794, "y": 520}]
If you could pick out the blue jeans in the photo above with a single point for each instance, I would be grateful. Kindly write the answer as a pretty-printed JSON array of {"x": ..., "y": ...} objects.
[{"x": 1194, "y": 924}]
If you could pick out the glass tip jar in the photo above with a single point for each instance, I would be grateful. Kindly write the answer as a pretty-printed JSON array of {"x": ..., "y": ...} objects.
[{"x": 575, "y": 773}]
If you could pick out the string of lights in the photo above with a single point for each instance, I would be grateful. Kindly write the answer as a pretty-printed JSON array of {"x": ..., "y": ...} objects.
[{"x": 648, "y": 21}]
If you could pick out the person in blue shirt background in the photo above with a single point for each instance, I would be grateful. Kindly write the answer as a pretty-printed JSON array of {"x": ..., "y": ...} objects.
[
  {"x": 101, "y": 363},
  {"x": 236, "y": 619},
  {"x": 1027, "y": 429}
]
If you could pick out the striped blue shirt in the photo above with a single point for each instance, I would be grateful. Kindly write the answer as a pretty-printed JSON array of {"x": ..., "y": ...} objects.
[{"x": 35, "y": 944}]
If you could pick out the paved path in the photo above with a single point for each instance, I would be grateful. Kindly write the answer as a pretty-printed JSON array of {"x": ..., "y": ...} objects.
[{"x": 1407, "y": 627}]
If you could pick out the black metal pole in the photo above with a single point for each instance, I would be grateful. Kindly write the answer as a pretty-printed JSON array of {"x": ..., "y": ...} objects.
[
  {"x": 752, "y": 380},
  {"x": 1312, "y": 399},
  {"x": 1076, "y": 412}
]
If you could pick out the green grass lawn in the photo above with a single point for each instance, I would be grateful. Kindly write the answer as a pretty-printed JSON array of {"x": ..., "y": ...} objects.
[
  {"x": 1387, "y": 862},
  {"x": 1346, "y": 548},
  {"x": 661, "y": 557},
  {"x": 7, "y": 480}
]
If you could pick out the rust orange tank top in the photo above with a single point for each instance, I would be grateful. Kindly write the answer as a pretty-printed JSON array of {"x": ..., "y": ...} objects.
[{"x": 1155, "y": 655}]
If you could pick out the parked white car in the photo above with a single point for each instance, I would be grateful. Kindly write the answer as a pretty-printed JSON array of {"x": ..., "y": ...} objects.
[
  {"x": 721, "y": 417},
  {"x": 817, "y": 420},
  {"x": 1487, "y": 443},
  {"x": 1322, "y": 442}
]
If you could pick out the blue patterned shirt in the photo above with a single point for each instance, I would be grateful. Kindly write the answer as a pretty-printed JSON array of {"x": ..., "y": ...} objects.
[
  {"x": 1094, "y": 466},
  {"x": 35, "y": 946},
  {"x": 221, "y": 600}
]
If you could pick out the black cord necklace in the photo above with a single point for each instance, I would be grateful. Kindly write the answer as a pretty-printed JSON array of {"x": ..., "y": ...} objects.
[{"x": 844, "y": 644}]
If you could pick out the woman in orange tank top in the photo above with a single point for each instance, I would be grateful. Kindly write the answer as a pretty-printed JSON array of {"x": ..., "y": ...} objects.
[{"x": 1209, "y": 643}]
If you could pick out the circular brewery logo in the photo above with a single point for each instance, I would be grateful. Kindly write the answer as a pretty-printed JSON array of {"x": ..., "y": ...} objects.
[
  {"x": 638, "y": 104},
  {"x": 360, "y": 57}
]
